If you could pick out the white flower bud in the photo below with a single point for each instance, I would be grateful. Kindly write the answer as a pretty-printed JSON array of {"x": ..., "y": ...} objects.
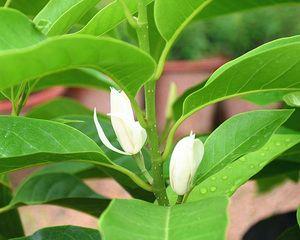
[
  {"x": 129, "y": 132},
  {"x": 185, "y": 160}
]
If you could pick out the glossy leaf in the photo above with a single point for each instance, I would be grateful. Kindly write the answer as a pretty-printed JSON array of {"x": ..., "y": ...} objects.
[
  {"x": 79, "y": 169},
  {"x": 163, "y": 223},
  {"x": 230, "y": 178},
  {"x": 64, "y": 233},
  {"x": 109, "y": 17},
  {"x": 241, "y": 134},
  {"x": 78, "y": 78},
  {"x": 59, "y": 189},
  {"x": 273, "y": 67},
  {"x": 57, "y": 17},
  {"x": 128, "y": 66},
  {"x": 10, "y": 224},
  {"x": 17, "y": 31},
  {"x": 28, "y": 142}
]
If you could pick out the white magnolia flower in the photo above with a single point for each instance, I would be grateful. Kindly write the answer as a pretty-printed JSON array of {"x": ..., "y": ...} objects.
[
  {"x": 129, "y": 132},
  {"x": 185, "y": 160}
]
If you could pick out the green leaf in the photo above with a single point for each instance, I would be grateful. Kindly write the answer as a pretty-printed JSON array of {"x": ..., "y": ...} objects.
[
  {"x": 79, "y": 78},
  {"x": 273, "y": 67},
  {"x": 59, "y": 189},
  {"x": 221, "y": 7},
  {"x": 17, "y": 31},
  {"x": 128, "y": 66},
  {"x": 109, "y": 17},
  {"x": 28, "y": 142},
  {"x": 64, "y": 233},
  {"x": 241, "y": 134},
  {"x": 230, "y": 178},
  {"x": 10, "y": 224},
  {"x": 196, "y": 220},
  {"x": 78, "y": 169},
  {"x": 57, "y": 17},
  {"x": 57, "y": 108}
]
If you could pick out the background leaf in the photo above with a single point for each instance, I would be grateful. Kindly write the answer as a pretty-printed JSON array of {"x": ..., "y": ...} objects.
[
  {"x": 79, "y": 78},
  {"x": 109, "y": 17},
  {"x": 64, "y": 233},
  {"x": 57, "y": 17},
  {"x": 10, "y": 224},
  {"x": 60, "y": 189},
  {"x": 57, "y": 108},
  {"x": 164, "y": 223}
]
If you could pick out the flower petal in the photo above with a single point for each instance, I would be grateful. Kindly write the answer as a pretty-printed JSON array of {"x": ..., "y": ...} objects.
[{"x": 103, "y": 138}]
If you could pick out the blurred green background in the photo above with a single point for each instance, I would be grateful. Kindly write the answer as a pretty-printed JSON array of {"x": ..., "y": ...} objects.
[{"x": 234, "y": 35}]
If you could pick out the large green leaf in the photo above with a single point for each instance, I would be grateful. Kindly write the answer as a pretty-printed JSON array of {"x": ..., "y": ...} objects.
[
  {"x": 230, "y": 178},
  {"x": 83, "y": 78},
  {"x": 133, "y": 219},
  {"x": 273, "y": 67},
  {"x": 57, "y": 17},
  {"x": 128, "y": 66},
  {"x": 60, "y": 189},
  {"x": 109, "y": 17},
  {"x": 241, "y": 134},
  {"x": 27, "y": 142},
  {"x": 17, "y": 31},
  {"x": 10, "y": 223},
  {"x": 64, "y": 233}
]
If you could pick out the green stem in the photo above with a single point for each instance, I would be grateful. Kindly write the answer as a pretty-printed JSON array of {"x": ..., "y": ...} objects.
[
  {"x": 131, "y": 20},
  {"x": 139, "y": 158},
  {"x": 131, "y": 175},
  {"x": 158, "y": 186},
  {"x": 7, "y": 3},
  {"x": 179, "y": 199}
]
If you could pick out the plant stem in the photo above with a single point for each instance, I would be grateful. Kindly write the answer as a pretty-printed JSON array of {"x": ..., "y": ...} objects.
[
  {"x": 179, "y": 199},
  {"x": 158, "y": 186},
  {"x": 131, "y": 175},
  {"x": 139, "y": 158},
  {"x": 7, "y": 3}
]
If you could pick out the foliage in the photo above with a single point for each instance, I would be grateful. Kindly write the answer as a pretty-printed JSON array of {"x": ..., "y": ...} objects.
[
  {"x": 77, "y": 43},
  {"x": 236, "y": 34}
]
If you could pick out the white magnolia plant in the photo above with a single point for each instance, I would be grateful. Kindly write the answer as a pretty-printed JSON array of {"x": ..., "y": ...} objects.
[{"x": 179, "y": 188}]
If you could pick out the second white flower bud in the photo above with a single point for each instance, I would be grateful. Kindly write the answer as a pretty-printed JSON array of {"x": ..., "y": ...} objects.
[{"x": 185, "y": 160}]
